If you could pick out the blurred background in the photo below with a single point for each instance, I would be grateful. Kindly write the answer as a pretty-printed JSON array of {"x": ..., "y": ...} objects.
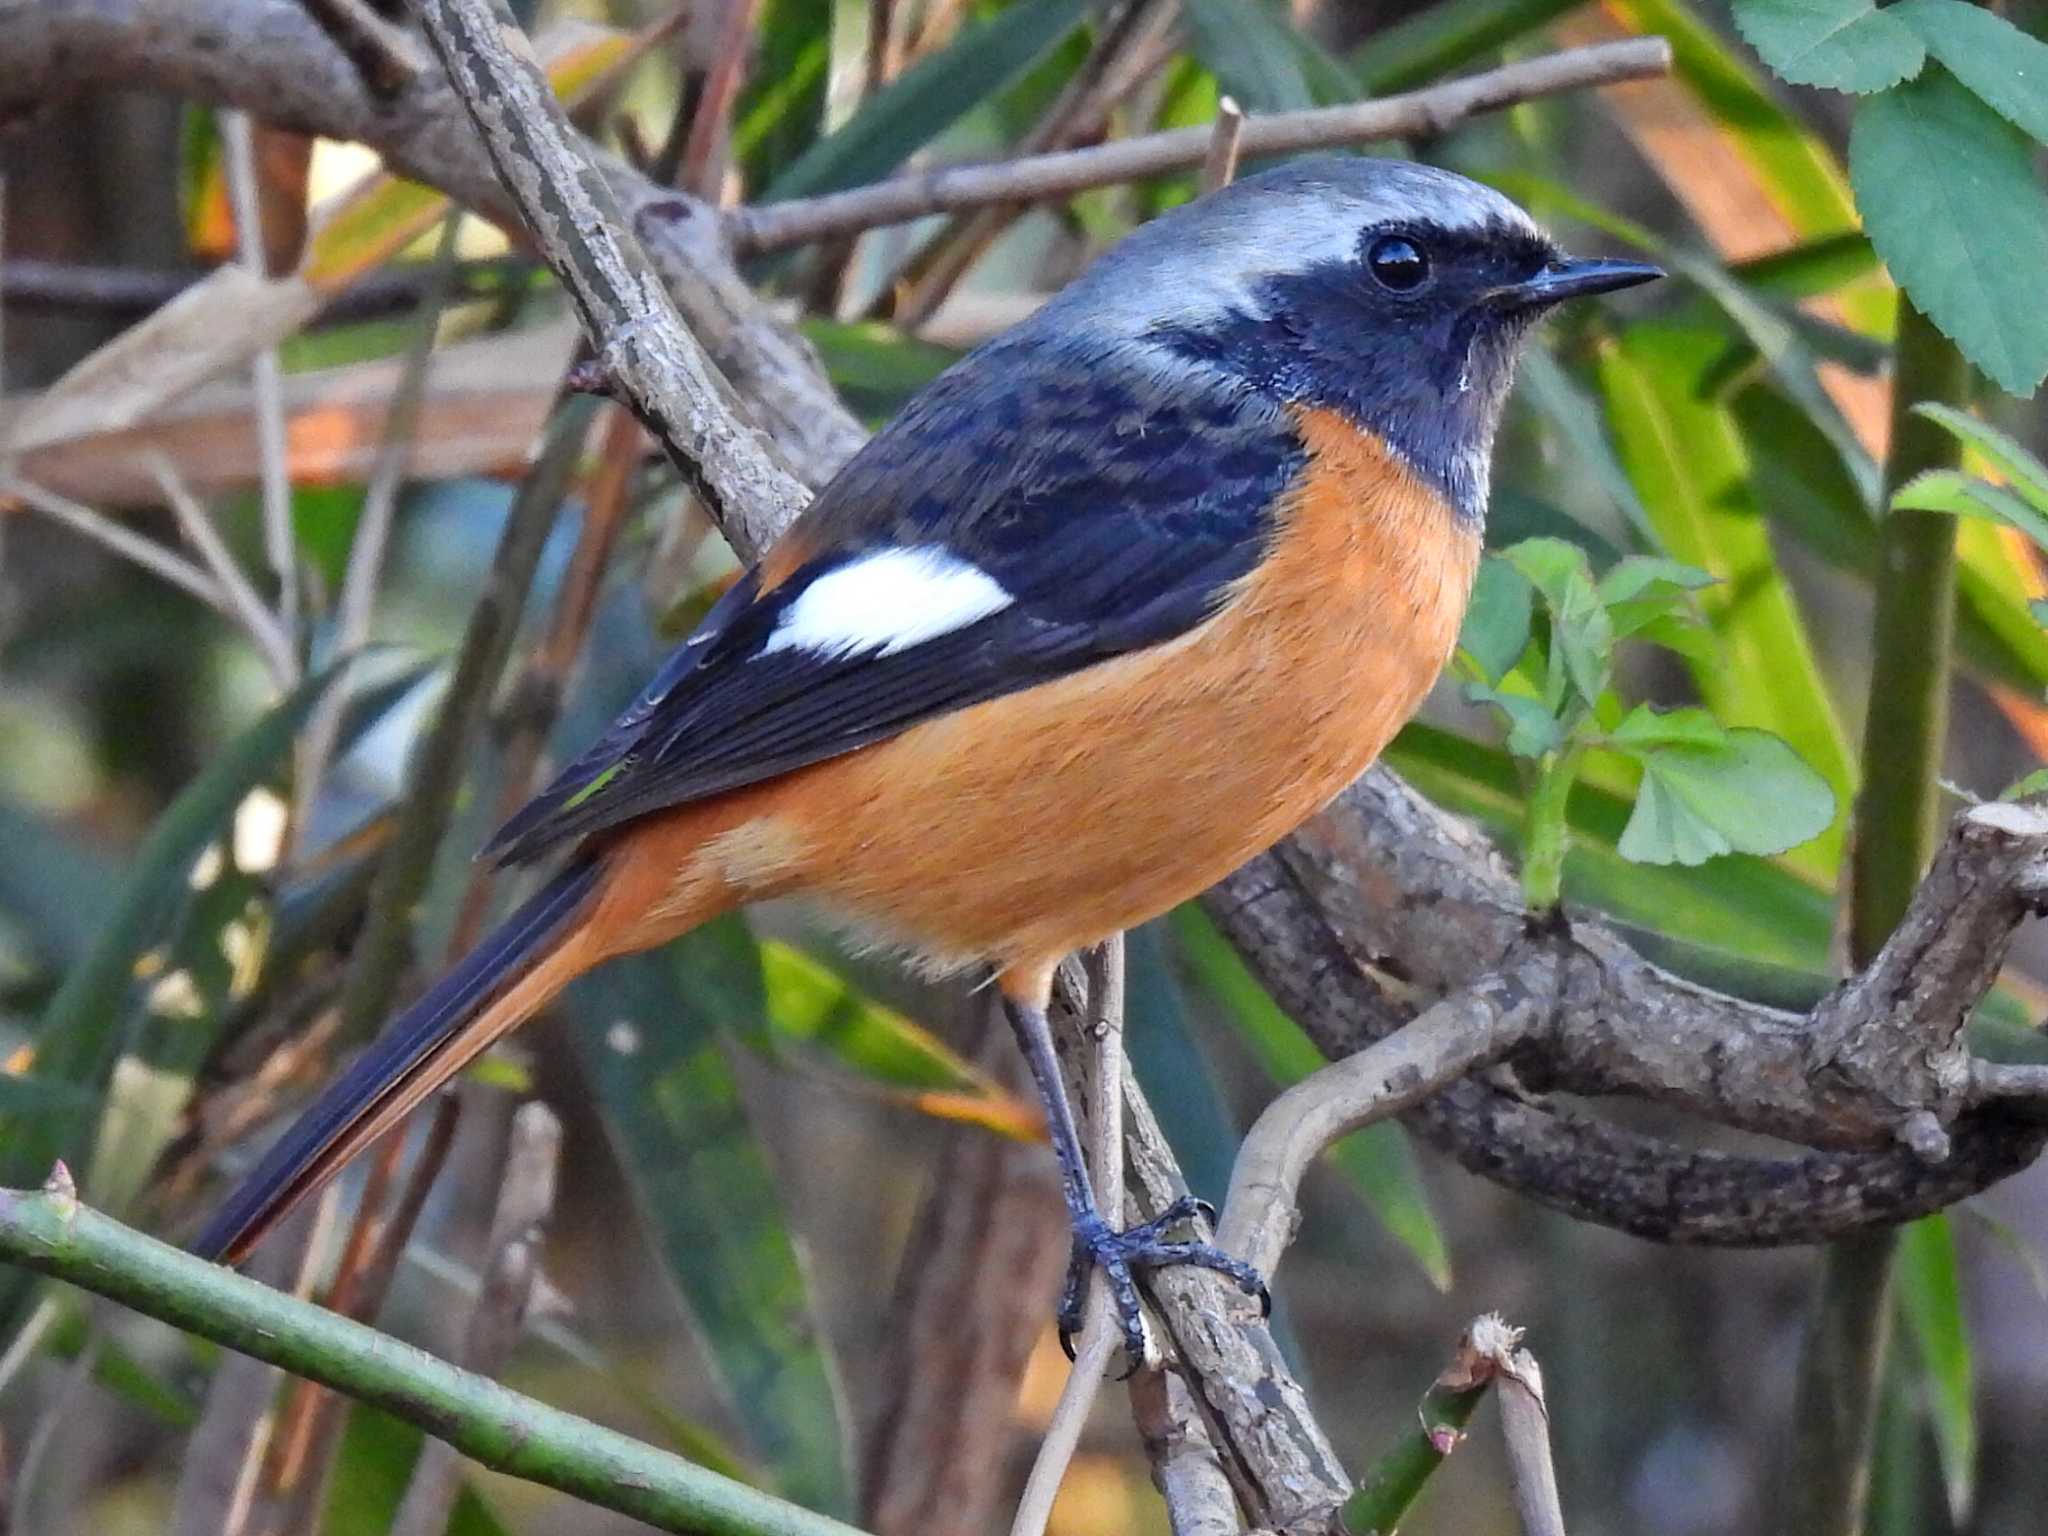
[{"x": 784, "y": 1167}]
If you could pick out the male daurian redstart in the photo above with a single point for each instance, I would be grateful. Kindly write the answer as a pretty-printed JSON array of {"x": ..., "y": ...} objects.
[{"x": 1115, "y": 603}]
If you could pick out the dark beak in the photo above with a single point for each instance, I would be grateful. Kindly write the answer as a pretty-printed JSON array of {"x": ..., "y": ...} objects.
[{"x": 1568, "y": 278}]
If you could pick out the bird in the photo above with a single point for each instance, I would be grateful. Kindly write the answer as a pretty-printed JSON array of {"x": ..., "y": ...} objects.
[{"x": 1116, "y": 602}]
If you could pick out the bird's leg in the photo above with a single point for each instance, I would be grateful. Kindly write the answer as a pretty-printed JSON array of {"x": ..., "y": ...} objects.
[{"x": 1119, "y": 1253}]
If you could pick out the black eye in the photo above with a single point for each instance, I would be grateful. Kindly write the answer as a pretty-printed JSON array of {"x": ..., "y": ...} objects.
[{"x": 1398, "y": 263}]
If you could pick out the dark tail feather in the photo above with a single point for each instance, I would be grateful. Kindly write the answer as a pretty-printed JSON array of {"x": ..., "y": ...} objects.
[{"x": 496, "y": 986}]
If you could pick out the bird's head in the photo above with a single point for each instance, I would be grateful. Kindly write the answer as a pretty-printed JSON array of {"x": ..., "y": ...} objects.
[{"x": 1395, "y": 293}]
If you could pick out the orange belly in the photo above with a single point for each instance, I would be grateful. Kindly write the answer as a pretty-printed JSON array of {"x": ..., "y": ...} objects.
[{"x": 1018, "y": 830}]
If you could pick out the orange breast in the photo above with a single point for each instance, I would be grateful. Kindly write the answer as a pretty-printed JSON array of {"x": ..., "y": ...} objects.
[{"x": 1020, "y": 829}]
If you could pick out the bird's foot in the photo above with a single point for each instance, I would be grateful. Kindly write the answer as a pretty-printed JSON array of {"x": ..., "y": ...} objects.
[{"x": 1120, "y": 1255}]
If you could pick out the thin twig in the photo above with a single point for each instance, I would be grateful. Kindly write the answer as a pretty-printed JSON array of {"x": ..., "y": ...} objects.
[
  {"x": 384, "y": 54},
  {"x": 704, "y": 152},
  {"x": 487, "y": 1421},
  {"x": 125, "y": 542},
  {"x": 116, "y": 292},
  {"x": 365, "y": 573},
  {"x": 1442, "y": 1044},
  {"x": 1226, "y": 135},
  {"x": 1185, "y": 1465},
  {"x": 1040, "y": 178},
  {"x": 1525, "y": 1423},
  {"x": 1100, "y": 1332},
  {"x": 650, "y": 356},
  {"x": 525, "y": 1200},
  {"x": 256, "y": 620},
  {"x": 280, "y": 543}
]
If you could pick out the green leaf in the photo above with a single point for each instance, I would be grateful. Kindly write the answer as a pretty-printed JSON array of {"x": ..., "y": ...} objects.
[
  {"x": 2006, "y": 67},
  {"x": 1378, "y": 1162},
  {"x": 79, "y": 1035},
  {"x": 1738, "y": 905},
  {"x": 1689, "y": 462},
  {"x": 1845, "y": 45},
  {"x": 1961, "y": 495},
  {"x": 1952, "y": 202},
  {"x": 1647, "y": 729},
  {"x": 928, "y": 98},
  {"x": 1751, "y": 794},
  {"x": 1496, "y": 628},
  {"x": 875, "y": 366},
  {"x": 648, "y": 1032},
  {"x": 1931, "y": 1305},
  {"x": 1532, "y": 729},
  {"x": 1651, "y": 576},
  {"x": 2029, "y": 476},
  {"x": 1579, "y": 627}
]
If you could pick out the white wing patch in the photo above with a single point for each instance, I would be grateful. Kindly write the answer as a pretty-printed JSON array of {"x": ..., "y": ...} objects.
[{"x": 887, "y": 602}]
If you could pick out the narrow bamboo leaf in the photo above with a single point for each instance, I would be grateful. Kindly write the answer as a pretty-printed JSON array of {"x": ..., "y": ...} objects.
[
  {"x": 1811, "y": 269},
  {"x": 876, "y": 367},
  {"x": 1574, "y": 417},
  {"x": 781, "y": 108},
  {"x": 928, "y": 98},
  {"x": 1844, "y": 45},
  {"x": 79, "y": 1035},
  {"x": 115, "y": 1366},
  {"x": 2027, "y": 474},
  {"x": 1931, "y": 1304},
  {"x": 1792, "y": 163},
  {"x": 372, "y": 1471},
  {"x": 1689, "y": 463},
  {"x": 648, "y": 1032},
  {"x": 812, "y": 1006},
  {"x": 1961, "y": 495},
  {"x": 51, "y": 885},
  {"x": 2005, "y": 66},
  {"x": 1169, "y": 1062},
  {"x": 1260, "y": 58},
  {"x": 1444, "y": 38},
  {"x": 1952, "y": 202},
  {"x": 1378, "y": 1161}
]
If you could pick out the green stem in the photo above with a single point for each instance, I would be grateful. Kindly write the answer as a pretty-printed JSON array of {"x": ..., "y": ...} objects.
[
  {"x": 1547, "y": 832},
  {"x": 1828, "y": 1473},
  {"x": 505, "y": 1430},
  {"x": 1395, "y": 1481}
]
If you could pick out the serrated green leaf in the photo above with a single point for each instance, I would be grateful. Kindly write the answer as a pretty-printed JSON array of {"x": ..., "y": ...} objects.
[
  {"x": 2028, "y": 475},
  {"x": 1844, "y": 45},
  {"x": 1750, "y": 795},
  {"x": 1646, "y": 729},
  {"x": 1740, "y": 905},
  {"x": 1931, "y": 1303},
  {"x": 1532, "y": 729},
  {"x": 1691, "y": 466},
  {"x": 648, "y": 1033},
  {"x": 928, "y": 98},
  {"x": 1952, "y": 202},
  {"x": 1961, "y": 495},
  {"x": 2006, "y": 67},
  {"x": 1646, "y": 576},
  {"x": 1580, "y": 631},
  {"x": 1496, "y": 628},
  {"x": 1378, "y": 1162}
]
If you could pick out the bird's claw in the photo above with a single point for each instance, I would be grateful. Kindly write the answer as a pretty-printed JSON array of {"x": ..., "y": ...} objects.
[{"x": 1120, "y": 1255}]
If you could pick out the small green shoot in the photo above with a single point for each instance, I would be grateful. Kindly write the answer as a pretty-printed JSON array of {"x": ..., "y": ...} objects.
[{"x": 1539, "y": 645}]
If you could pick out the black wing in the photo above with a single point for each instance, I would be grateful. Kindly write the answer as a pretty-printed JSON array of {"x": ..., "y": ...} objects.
[{"x": 1114, "y": 504}]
